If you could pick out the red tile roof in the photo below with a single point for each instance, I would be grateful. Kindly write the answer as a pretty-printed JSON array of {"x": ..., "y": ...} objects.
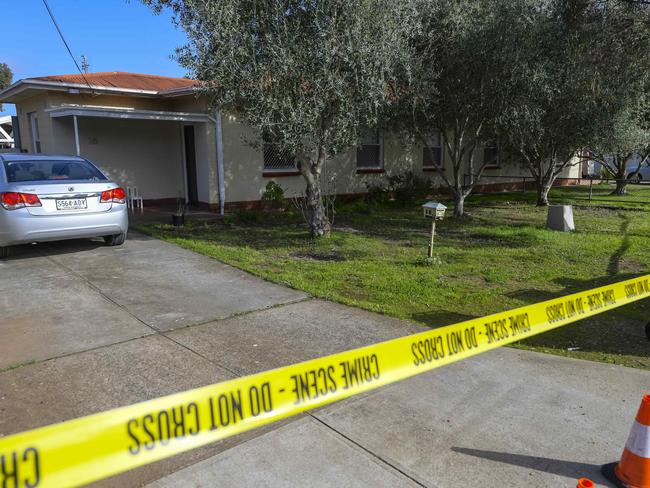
[{"x": 119, "y": 79}]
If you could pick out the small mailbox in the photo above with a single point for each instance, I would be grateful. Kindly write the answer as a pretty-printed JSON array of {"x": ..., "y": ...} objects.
[{"x": 434, "y": 210}]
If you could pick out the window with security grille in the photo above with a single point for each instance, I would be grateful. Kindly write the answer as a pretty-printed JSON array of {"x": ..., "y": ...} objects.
[
  {"x": 432, "y": 152},
  {"x": 491, "y": 155},
  {"x": 370, "y": 154},
  {"x": 275, "y": 159}
]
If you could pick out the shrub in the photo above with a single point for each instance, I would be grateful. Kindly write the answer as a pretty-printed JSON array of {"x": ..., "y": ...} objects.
[
  {"x": 273, "y": 192},
  {"x": 407, "y": 187},
  {"x": 377, "y": 194}
]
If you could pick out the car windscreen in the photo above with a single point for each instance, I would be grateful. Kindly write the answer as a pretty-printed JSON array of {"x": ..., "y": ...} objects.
[{"x": 48, "y": 170}]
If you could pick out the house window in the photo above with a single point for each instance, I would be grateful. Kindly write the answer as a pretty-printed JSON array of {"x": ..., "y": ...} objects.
[
  {"x": 432, "y": 152},
  {"x": 370, "y": 155},
  {"x": 491, "y": 155},
  {"x": 36, "y": 136},
  {"x": 275, "y": 159}
]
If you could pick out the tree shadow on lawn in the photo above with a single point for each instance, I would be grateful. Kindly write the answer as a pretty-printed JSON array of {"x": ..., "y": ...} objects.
[
  {"x": 571, "y": 285},
  {"x": 240, "y": 235},
  {"x": 615, "y": 258},
  {"x": 486, "y": 238},
  {"x": 609, "y": 333},
  {"x": 608, "y": 338},
  {"x": 440, "y": 318}
]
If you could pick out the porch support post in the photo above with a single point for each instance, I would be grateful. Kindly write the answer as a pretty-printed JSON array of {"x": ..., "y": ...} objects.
[
  {"x": 220, "y": 174},
  {"x": 181, "y": 136},
  {"x": 76, "y": 135}
]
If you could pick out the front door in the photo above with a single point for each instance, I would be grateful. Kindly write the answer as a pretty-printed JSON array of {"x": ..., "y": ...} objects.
[{"x": 190, "y": 163}]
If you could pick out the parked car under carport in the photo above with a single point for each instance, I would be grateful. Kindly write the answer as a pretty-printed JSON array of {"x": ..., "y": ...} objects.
[{"x": 50, "y": 198}]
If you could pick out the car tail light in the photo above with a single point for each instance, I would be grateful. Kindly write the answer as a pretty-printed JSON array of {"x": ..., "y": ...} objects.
[
  {"x": 12, "y": 200},
  {"x": 119, "y": 195},
  {"x": 116, "y": 195}
]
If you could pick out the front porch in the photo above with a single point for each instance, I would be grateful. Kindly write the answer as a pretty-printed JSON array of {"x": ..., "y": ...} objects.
[
  {"x": 161, "y": 213},
  {"x": 165, "y": 155}
]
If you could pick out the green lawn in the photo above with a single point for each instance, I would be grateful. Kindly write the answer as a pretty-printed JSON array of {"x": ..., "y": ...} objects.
[
  {"x": 638, "y": 197},
  {"x": 499, "y": 258}
]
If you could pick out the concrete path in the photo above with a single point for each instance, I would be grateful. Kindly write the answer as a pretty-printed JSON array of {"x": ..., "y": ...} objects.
[{"x": 93, "y": 328}]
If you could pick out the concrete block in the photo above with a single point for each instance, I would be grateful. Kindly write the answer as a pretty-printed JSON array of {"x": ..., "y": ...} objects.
[{"x": 560, "y": 217}]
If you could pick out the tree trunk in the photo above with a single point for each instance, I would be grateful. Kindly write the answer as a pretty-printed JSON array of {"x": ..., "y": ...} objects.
[
  {"x": 459, "y": 204},
  {"x": 319, "y": 225},
  {"x": 542, "y": 193},
  {"x": 621, "y": 187}
]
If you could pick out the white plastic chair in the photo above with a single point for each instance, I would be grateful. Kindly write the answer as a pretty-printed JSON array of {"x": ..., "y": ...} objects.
[{"x": 134, "y": 199}]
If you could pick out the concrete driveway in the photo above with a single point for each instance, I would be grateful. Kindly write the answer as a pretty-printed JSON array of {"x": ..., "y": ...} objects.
[{"x": 86, "y": 328}]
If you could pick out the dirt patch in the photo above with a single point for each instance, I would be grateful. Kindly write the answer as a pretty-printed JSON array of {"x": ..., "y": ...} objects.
[
  {"x": 630, "y": 266},
  {"x": 320, "y": 256}
]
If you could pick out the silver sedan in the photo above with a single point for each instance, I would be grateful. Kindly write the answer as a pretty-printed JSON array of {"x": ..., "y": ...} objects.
[{"x": 50, "y": 198}]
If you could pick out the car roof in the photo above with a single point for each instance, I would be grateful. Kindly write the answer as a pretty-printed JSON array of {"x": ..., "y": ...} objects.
[{"x": 38, "y": 157}]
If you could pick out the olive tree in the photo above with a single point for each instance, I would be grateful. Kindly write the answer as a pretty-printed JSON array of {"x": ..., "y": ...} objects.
[
  {"x": 626, "y": 142},
  {"x": 624, "y": 137},
  {"x": 306, "y": 74},
  {"x": 576, "y": 67},
  {"x": 457, "y": 82}
]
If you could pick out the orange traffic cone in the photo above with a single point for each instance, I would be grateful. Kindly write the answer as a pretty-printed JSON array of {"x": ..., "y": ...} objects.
[
  {"x": 585, "y": 483},
  {"x": 634, "y": 469}
]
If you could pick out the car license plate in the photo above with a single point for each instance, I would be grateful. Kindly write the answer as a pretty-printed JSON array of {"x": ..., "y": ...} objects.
[{"x": 72, "y": 204}]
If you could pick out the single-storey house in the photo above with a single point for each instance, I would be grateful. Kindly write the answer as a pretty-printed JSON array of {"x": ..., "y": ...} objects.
[{"x": 155, "y": 133}]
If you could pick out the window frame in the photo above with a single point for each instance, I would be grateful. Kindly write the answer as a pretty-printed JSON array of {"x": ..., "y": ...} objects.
[
  {"x": 36, "y": 133},
  {"x": 441, "y": 146},
  {"x": 496, "y": 145},
  {"x": 378, "y": 168},
  {"x": 267, "y": 148}
]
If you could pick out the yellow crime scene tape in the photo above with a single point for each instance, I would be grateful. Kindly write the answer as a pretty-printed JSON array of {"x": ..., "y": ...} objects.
[{"x": 91, "y": 448}]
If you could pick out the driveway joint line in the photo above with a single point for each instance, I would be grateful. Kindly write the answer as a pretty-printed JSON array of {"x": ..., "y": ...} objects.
[
  {"x": 99, "y": 291},
  {"x": 235, "y": 373},
  {"x": 156, "y": 331},
  {"x": 368, "y": 451}
]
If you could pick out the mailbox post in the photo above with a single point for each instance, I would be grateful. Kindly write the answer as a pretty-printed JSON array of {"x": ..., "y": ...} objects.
[{"x": 434, "y": 211}]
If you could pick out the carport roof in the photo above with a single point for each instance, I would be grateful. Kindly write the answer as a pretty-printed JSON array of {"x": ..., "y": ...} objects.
[{"x": 125, "y": 113}]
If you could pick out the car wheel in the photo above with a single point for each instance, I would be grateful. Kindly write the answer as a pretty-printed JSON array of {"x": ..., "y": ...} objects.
[
  {"x": 4, "y": 252},
  {"x": 115, "y": 240}
]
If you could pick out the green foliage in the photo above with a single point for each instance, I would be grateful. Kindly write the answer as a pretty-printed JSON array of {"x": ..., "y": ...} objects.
[
  {"x": 457, "y": 81},
  {"x": 604, "y": 173},
  {"x": 376, "y": 193},
  {"x": 428, "y": 261},
  {"x": 308, "y": 74},
  {"x": 576, "y": 66},
  {"x": 6, "y": 77},
  {"x": 273, "y": 192},
  {"x": 359, "y": 207},
  {"x": 405, "y": 187},
  {"x": 408, "y": 187}
]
